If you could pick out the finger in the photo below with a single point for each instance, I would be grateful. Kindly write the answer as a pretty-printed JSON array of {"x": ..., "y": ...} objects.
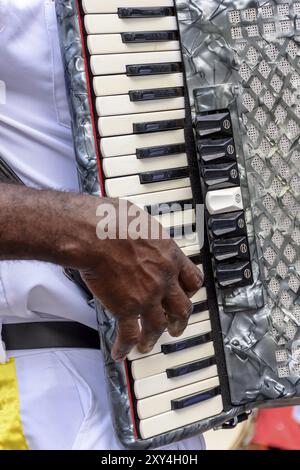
[
  {"x": 128, "y": 334},
  {"x": 153, "y": 323},
  {"x": 178, "y": 309},
  {"x": 190, "y": 277}
]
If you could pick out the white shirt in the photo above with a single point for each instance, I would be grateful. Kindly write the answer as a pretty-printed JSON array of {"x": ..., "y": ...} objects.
[{"x": 62, "y": 392}]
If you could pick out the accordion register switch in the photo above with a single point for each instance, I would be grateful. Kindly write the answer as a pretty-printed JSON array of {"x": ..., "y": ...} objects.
[{"x": 224, "y": 202}]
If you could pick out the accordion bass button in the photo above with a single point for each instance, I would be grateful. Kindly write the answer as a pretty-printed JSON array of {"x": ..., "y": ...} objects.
[
  {"x": 221, "y": 175},
  {"x": 224, "y": 200},
  {"x": 236, "y": 274},
  {"x": 225, "y": 249},
  {"x": 215, "y": 149},
  {"x": 209, "y": 124},
  {"x": 231, "y": 224}
]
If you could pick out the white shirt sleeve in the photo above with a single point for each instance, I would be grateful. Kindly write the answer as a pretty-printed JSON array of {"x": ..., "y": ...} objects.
[{"x": 36, "y": 141}]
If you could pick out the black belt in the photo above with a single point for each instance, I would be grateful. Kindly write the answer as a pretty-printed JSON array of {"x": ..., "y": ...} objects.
[{"x": 43, "y": 335}]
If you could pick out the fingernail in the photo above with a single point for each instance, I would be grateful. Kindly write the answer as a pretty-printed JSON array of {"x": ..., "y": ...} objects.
[{"x": 176, "y": 329}]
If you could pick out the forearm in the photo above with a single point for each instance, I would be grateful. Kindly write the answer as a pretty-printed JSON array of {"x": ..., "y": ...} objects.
[{"x": 44, "y": 225}]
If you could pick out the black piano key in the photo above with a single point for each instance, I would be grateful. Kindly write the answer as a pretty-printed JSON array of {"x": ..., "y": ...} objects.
[
  {"x": 230, "y": 224},
  {"x": 168, "y": 207},
  {"x": 150, "y": 36},
  {"x": 196, "y": 259},
  {"x": 184, "y": 369},
  {"x": 181, "y": 230},
  {"x": 163, "y": 175},
  {"x": 160, "y": 151},
  {"x": 153, "y": 69},
  {"x": 157, "y": 126},
  {"x": 221, "y": 175},
  {"x": 145, "y": 12},
  {"x": 208, "y": 124},
  {"x": 236, "y": 274},
  {"x": 156, "y": 94},
  {"x": 190, "y": 400},
  {"x": 228, "y": 248},
  {"x": 200, "y": 307},
  {"x": 215, "y": 149},
  {"x": 186, "y": 343}
]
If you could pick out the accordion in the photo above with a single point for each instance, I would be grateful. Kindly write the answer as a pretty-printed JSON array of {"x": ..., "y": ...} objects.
[{"x": 196, "y": 102}]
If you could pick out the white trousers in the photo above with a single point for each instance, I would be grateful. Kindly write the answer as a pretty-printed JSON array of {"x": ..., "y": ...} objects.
[{"x": 64, "y": 404}]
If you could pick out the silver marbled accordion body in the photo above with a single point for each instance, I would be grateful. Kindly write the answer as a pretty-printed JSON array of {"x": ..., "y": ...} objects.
[{"x": 193, "y": 102}]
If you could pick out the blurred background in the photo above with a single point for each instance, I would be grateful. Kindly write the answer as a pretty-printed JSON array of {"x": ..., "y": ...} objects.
[{"x": 266, "y": 430}]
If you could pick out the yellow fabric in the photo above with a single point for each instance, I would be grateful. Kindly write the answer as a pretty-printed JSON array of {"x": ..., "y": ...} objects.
[{"x": 11, "y": 429}]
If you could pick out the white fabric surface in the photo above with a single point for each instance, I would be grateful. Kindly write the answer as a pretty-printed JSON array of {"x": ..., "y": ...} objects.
[{"x": 62, "y": 392}]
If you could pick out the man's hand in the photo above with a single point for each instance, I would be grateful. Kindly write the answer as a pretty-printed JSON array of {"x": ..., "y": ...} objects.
[
  {"x": 150, "y": 278},
  {"x": 134, "y": 277}
]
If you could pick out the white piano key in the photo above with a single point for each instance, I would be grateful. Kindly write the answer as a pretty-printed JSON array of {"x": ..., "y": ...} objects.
[
  {"x": 191, "y": 330},
  {"x": 177, "y": 219},
  {"x": 151, "y": 199},
  {"x": 161, "y": 403},
  {"x": 224, "y": 200},
  {"x": 160, "y": 383},
  {"x": 128, "y": 144},
  {"x": 159, "y": 363},
  {"x": 122, "y": 125},
  {"x": 200, "y": 296},
  {"x": 108, "y": 85},
  {"x": 111, "y": 6},
  {"x": 113, "y": 44},
  {"x": 121, "y": 104},
  {"x": 192, "y": 250},
  {"x": 130, "y": 186},
  {"x": 186, "y": 240},
  {"x": 111, "y": 23},
  {"x": 130, "y": 165},
  {"x": 200, "y": 316},
  {"x": 176, "y": 419},
  {"x": 116, "y": 63}
]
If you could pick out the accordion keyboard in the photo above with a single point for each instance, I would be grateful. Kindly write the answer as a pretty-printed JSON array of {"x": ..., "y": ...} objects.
[{"x": 135, "y": 60}]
